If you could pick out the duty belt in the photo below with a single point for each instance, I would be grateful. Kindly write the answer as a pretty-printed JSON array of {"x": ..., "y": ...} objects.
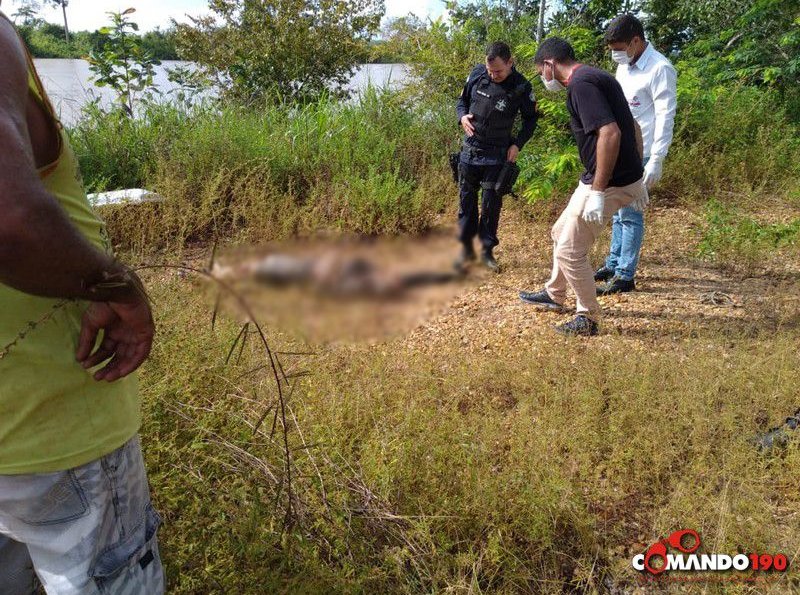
[{"x": 476, "y": 152}]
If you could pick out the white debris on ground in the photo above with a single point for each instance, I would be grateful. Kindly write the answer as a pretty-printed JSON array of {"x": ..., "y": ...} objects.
[{"x": 127, "y": 196}]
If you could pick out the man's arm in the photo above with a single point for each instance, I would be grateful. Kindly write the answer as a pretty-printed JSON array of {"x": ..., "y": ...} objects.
[
  {"x": 608, "y": 141},
  {"x": 41, "y": 252},
  {"x": 463, "y": 105},
  {"x": 530, "y": 118},
  {"x": 664, "y": 90}
]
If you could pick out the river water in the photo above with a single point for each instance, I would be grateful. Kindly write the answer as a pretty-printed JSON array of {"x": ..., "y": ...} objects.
[{"x": 68, "y": 83}]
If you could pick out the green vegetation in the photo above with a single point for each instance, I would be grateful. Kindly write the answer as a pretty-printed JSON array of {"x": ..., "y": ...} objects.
[
  {"x": 45, "y": 40},
  {"x": 733, "y": 238},
  {"x": 371, "y": 166},
  {"x": 514, "y": 471},
  {"x": 287, "y": 49},
  {"x": 377, "y": 164},
  {"x": 123, "y": 63}
]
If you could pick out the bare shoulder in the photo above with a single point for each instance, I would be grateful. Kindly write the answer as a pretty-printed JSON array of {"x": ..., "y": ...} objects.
[
  {"x": 14, "y": 134},
  {"x": 13, "y": 67}
]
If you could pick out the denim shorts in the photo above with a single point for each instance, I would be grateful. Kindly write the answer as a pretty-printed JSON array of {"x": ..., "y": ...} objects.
[{"x": 88, "y": 530}]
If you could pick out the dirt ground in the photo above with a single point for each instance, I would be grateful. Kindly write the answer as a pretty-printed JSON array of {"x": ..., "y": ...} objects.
[{"x": 678, "y": 296}]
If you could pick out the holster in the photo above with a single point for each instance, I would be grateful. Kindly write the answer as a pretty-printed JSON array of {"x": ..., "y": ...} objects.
[
  {"x": 506, "y": 179},
  {"x": 455, "y": 159}
]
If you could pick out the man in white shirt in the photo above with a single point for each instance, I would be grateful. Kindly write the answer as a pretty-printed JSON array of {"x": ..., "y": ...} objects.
[{"x": 648, "y": 80}]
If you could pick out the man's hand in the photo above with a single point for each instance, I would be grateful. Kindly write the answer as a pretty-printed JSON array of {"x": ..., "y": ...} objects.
[
  {"x": 513, "y": 153},
  {"x": 652, "y": 172},
  {"x": 593, "y": 209},
  {"x": 466, "y": 124},
  {"x": 127, "y": 337},
  {"x": 640, "y": 204}
]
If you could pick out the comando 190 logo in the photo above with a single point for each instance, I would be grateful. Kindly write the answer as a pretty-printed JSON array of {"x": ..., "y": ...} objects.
[{"x": 658, "y": 560}]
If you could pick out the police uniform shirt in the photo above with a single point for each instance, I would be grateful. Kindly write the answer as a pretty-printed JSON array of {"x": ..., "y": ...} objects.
[
  {"x": 594, "y": 99},
  {"x": 494, "y": 107}
]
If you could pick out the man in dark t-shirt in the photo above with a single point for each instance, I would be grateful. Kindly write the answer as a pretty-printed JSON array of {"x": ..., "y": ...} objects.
[
  {"x": 594, "y": 99},
  {"x": 605, "y": 133}
]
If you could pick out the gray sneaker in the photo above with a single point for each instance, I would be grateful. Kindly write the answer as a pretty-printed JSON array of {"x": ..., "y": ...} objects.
[
  {"x": 580, "y": 326},
  {"x": 616, "y": 285},
  {"x": 540, "y": 299}
]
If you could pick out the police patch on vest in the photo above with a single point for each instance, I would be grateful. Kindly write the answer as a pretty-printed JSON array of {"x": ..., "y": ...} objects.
[
  {"x": 501, "y": 105},
  {"x": 481, "y": 93}
]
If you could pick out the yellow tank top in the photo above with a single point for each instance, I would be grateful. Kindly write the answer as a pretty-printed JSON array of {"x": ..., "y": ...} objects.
[{"x": 53, "y": 414}]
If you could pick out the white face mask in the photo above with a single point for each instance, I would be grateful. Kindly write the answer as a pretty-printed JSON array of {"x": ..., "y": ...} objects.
[
  {"x": 620, "y": 56},
  {"x": 553, "y": 84}
]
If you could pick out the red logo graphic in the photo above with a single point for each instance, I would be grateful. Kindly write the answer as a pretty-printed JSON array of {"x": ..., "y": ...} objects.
[
  {"x": 659, "y": 549},
  {"x": 659, "y": 560}
]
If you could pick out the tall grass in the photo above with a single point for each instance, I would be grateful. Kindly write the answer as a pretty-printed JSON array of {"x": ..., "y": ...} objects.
[
  {"x": 375, "y": 165},
  {"x": 378, "y": 164},
  {"x": 452, "y": 471},
  {"x": 739, "y": 241},
  {"x": 737, "y": 145}
]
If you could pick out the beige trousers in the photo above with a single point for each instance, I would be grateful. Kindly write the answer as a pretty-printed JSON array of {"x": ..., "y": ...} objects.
[{"x": 573, "y": 238}]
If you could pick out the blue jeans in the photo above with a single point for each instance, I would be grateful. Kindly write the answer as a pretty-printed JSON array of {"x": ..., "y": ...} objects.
[
  {"x": 90, "y": 530},
  {"x": 627, "y": 234}
]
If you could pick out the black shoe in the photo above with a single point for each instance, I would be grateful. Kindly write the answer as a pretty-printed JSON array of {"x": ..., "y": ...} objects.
[
  {"x": 540, "y": 299},
  {"x": 489, "y": 261},
  {"x": 467, "y": 255},
  {"x": 616, "y": 285},
  {"x": 603, "y": 274},
  {"x": 778, "y": 437},
  {"x": 580, "y": 326}
]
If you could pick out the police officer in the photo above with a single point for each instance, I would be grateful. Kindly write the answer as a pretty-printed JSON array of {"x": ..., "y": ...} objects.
[{"x": 488, "y": 106}]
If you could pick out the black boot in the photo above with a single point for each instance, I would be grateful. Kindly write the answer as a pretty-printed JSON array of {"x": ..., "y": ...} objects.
[
  {"x": 489, "y": 261},
  {"x": 466, "y": 256}
]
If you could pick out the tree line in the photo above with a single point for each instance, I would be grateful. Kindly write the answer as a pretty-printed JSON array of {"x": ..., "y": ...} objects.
[
  {"x": 50, "y": 40},
  {"x": 299, "y": 50}
]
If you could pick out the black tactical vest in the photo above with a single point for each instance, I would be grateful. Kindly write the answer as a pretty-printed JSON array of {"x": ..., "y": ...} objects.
[{"x": 494, "y": 110}]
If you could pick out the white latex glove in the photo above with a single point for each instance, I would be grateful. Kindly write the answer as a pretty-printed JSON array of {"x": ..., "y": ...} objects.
[
  {"x": 593, "y": 209},
  {"x": 640, "y": 204},
  {"x": 652, "y": 172}
]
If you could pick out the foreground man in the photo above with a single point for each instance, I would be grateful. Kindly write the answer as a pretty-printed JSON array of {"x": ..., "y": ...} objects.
[
  {"x": 74, "y": 502},
  {"x": 605, "y": 133},
  {"x": 649, "y": 82},
  {"x": 488, "y": 106}
]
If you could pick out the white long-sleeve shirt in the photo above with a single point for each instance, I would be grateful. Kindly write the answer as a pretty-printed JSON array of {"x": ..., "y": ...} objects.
[{"x": 650, "y": 86}]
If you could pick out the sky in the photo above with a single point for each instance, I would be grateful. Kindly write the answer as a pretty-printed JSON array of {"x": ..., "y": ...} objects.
[{"x": 91, "y": 14}]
